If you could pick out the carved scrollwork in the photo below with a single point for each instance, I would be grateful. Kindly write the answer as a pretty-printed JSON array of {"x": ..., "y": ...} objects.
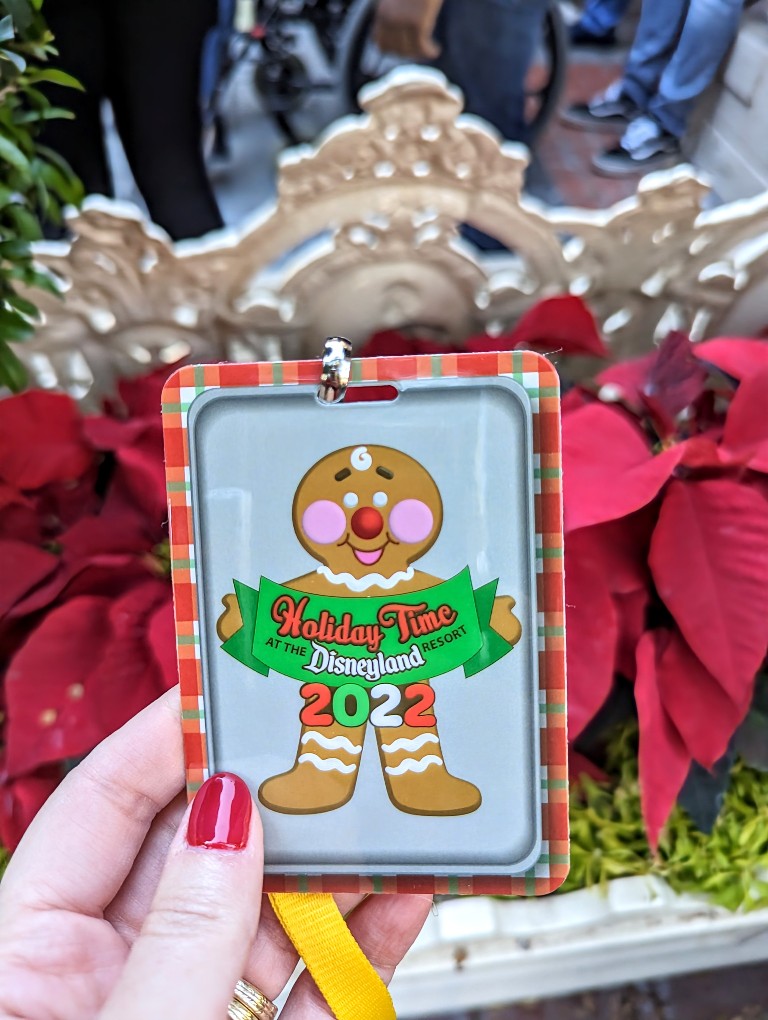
[{"x": 364, "y": 235}]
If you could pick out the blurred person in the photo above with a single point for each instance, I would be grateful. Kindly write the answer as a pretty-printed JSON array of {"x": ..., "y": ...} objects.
[
  {"x": 215, "y": 58},
  {"x": 145, "y": 57},
  {"x": 677, "y": 52},
  {"x": 486, "y": 47},
  {"x": 598, "y": 23}
]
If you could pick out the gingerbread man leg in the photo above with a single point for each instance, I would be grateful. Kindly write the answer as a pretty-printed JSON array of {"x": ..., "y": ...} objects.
[
  {"x": 416, "y": 776},
  {"x": 324, "y": 773}
]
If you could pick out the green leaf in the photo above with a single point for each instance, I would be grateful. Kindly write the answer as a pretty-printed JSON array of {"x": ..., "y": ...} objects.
[
  {"x": 22, "y": 305},
  {"x": 22, "y": 13},
  {"x": 14, "y": 326},
  {"x": 12, "y": 373},
  {"x": 14, "y": 58},
  {"x": 14, "y": 249},
  {"x": 56, "y": 77},
  {"x": 42, "y": 280},
  {"x": 37, "y": 99},
  {"x": 43, "y": 198},
  {"x": 50, "y": 113},
  {"x": 27, "y": 224},
  {"x": 12, "y": 154},
  {"x": 65, "y": 185},
  {"x": 58, "y": 161},
  {"x": 6, "y": 28}
]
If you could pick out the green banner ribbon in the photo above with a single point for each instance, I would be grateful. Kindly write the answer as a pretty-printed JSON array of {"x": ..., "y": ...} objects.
[{"x": 398, "y": 638}]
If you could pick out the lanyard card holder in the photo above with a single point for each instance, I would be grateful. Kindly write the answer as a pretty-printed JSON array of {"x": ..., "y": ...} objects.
[{"x": 368, "y": 586}]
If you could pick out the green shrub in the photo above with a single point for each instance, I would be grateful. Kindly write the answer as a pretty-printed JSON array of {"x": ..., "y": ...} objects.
[
  {"x": 729, "y": 864},
  {"x": 34, "y": 181}
]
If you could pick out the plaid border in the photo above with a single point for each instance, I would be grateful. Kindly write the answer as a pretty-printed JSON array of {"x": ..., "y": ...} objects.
[{"x": 540, "y": 381}]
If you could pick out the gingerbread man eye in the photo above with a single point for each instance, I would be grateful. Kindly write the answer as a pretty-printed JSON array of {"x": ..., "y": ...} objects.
[
  {"x": 380, "y": 499},
  {"x": 350, "y": 500}
]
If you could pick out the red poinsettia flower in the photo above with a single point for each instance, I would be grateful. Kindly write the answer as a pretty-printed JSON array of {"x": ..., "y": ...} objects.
[
  {"x": 41, "y": 441},
  {"x": 88, "y": 667},
  {"x": 86, "y": 620},
  {"x": 666, "y": 514},
  {"x": 561, "y": 324}
]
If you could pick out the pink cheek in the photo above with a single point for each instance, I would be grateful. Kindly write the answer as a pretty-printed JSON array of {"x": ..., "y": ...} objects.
[
  {"x": 324, "y": 522},
  {"x": 410, "y": 521}
]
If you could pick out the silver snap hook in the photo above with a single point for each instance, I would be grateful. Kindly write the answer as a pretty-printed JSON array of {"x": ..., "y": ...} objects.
[{"x": 337, "y": 364}]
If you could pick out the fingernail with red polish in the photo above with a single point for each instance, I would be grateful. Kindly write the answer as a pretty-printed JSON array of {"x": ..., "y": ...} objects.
[{"x": 221, "y": 814}]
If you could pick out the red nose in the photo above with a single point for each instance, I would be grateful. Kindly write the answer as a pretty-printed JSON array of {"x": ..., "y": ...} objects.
[{"x": 367, "y": 522}]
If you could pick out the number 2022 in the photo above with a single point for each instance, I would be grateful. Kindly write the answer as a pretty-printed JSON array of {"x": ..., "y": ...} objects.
[{"x": 350, "y": 705}]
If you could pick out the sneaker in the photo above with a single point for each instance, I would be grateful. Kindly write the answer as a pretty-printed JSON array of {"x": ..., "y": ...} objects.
[
  {"x": 581, "y": 36},
  {"x": 645, "y": 146},
  {"x": 611, "y": 110}
]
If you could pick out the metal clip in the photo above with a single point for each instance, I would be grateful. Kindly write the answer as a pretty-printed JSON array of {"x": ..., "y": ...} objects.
[{"x": 336, "y": 368}]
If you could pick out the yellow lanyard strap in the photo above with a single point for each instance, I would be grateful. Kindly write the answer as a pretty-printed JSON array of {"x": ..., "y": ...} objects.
[{"x": 341, "y": 970}]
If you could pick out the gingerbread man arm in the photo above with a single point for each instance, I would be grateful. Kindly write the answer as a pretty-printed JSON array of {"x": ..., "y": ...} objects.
[
  {"x": 504, "y": 621},
  {"x": 230, "y": 621}
]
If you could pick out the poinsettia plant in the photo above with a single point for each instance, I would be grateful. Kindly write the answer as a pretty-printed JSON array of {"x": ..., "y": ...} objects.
[
  {"x": 665, "y": 460},
  {"x": 666, "y": 517},
  {"x": 86, "y": 619}
]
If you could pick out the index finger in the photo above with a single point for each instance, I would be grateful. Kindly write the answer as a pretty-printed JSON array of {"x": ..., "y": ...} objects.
[{"x": 83, "y": 842}]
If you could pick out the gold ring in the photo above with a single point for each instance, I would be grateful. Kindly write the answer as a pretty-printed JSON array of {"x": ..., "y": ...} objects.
[{"x": 250, "y": 1004}]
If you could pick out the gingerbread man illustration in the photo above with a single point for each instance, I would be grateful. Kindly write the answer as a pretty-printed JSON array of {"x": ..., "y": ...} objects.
[{"x": 366, "y": 514}]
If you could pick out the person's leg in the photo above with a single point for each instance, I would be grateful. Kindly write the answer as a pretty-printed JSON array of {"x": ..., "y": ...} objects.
[
  {"x": 709, "y": 30},
  {"x": 652, "y": 141},
  {"x": 215, "y": 46},
  {"x": 658, "y": 31},
  {"x": 600, "y": 17},
  {"x": 79, "y": 29},
  {"x": 487, "y": 49},
  {"x": 626, "y": 98},
  {"x": 156, "y": 95}
]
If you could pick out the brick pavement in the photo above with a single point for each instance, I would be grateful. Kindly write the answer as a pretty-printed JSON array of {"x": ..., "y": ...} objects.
[{"x": 566, "y": 153}]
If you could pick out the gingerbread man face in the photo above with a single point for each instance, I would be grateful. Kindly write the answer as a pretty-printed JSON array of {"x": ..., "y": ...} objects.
[{"x": 367, "y": 509}]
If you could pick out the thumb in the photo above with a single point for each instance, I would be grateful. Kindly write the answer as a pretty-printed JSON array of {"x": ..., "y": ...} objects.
[{"x": 195, "y": 940}]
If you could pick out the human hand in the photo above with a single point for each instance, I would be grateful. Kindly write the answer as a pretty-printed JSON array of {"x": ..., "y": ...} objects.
[
  {"x": 108, "y": 909},
  {"x": 405, "y": 27}
]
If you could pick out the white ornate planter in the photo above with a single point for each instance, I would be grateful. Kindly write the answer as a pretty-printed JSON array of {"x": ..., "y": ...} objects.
[
  {"x": 363, "y": 235},
  {"x": 482, "y": 952}
]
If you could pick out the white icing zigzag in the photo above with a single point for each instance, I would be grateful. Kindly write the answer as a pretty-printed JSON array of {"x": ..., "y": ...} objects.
[
  {"x": 412, "y": 744},
  {"x": 368, "y": 581},
  {"x": 326, "y": 764},
  {"x": 331, "y": 743},
  {"x": 413, "y": 765}
]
